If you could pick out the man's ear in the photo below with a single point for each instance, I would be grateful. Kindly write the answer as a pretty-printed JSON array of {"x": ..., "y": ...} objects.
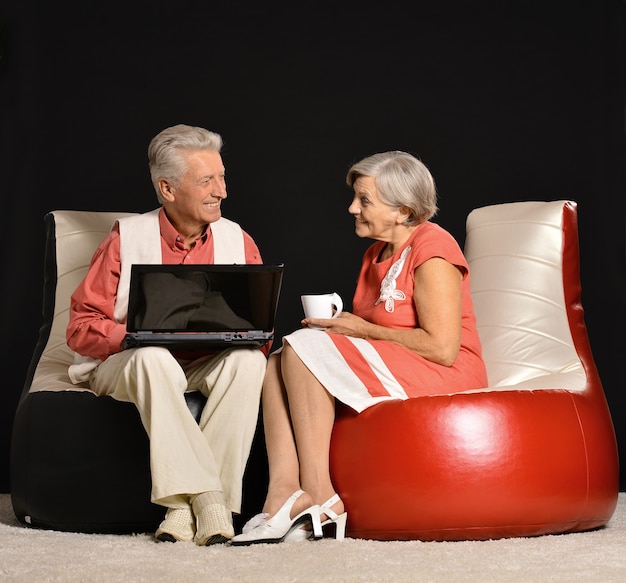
[{"x": 166, "y": 189}]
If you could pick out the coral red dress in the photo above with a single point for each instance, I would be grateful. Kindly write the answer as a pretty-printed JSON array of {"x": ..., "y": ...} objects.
[{"x": 361, "y": 373}]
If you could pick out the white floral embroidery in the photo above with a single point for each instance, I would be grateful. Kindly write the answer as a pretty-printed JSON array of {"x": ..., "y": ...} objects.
[{"x": 388, "y": 291}]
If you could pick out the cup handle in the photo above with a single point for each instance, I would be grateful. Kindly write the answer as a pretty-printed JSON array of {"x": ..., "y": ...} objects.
[{"x": 338, "y": 303}]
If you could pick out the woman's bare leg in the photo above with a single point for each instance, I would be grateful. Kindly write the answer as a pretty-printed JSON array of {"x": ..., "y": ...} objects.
[
  {"x": 312, "y": 412},
  {"x": 284, "y": 471}
]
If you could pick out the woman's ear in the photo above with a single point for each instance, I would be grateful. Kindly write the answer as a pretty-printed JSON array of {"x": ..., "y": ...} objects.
[
  {"x": 166, "y": 189},
  {"x": 404, "y": 212}
]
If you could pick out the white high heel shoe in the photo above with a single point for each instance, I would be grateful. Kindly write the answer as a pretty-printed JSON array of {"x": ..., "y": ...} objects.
[
  {"x": 294, "y": 536},
  {"x": 277, "y": 528},
  {"x": 339, "y": 520}
]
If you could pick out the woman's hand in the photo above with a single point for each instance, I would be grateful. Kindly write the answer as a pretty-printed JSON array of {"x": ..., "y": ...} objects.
[
  {"x": 346, "y": 323},
  {"x": 437, "y": 298}
]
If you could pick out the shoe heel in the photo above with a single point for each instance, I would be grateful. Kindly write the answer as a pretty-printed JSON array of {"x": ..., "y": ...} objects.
[
  {"x": 316, "y": 523},
  {"x": 339, "y": 525}
]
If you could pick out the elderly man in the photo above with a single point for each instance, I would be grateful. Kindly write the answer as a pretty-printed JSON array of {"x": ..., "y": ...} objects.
[{"x": 197, "y": 468}]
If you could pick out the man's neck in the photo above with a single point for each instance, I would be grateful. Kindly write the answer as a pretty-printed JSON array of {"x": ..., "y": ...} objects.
[{"x": 188, "y": 232}]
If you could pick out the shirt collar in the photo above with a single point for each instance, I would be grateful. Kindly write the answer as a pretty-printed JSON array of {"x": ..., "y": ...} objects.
[{"x": 171, "y": 235}]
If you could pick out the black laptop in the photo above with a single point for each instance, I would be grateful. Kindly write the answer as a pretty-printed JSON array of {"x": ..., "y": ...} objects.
[{"x": 202, "y": 307}]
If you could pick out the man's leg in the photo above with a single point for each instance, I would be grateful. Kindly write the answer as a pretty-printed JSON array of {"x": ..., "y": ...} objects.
[
  {"x": 232, "y": 383},
  {"x": 180, "y": 460}
]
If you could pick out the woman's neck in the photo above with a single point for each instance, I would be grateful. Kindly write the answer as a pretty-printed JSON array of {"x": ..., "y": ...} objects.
[{"x": 395, "y": 244}]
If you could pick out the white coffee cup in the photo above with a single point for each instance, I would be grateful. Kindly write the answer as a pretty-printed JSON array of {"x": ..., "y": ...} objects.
[{"x": 322, "y": 306}]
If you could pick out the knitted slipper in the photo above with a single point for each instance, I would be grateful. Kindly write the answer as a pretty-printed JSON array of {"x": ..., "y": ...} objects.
[
  {"x": 214, "y": 522},
  {"x": 179, "y": 525}
]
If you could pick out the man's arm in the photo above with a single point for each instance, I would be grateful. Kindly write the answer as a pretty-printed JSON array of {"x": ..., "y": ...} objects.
[
  {"x": 253, "y": 255},
  {"x": 92, "y": 330}
]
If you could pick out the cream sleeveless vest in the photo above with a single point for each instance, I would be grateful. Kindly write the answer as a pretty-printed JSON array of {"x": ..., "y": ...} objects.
[{"x": 140, "y": 242}]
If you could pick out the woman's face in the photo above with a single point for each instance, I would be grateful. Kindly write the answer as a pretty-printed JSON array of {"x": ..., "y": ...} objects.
[{"x": 373, "y": 217}]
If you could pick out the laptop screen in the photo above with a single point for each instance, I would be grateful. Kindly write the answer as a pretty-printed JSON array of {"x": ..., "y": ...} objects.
[{"x": 203, "y": 298}]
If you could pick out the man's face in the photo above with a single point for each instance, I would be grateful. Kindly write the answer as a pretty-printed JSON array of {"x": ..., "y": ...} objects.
[{"x": 197, "y": 199}]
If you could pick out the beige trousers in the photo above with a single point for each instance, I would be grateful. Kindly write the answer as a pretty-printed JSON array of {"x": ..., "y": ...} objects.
[{"x": 186, "y": 457}]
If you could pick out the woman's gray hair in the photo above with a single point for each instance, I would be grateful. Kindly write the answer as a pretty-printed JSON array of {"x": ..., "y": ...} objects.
[
  {"x": 165, "y": 152},
  {"x": 401, "y": 180}
]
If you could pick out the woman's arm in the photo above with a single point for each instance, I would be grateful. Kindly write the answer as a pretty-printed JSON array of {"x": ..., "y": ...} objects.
[{"x": 437, "y": 297}]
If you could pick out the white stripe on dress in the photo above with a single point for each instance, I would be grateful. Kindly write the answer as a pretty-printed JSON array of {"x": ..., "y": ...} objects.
[
  {"x": 379, "y": 368},
  {"x": 320, "y": 355}
]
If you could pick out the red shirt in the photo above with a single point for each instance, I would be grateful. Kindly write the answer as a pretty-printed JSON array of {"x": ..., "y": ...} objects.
[{"x": 92, "y": 330}]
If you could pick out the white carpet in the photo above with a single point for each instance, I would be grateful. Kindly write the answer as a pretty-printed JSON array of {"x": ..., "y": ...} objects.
[{"x": 28, "y": 555}]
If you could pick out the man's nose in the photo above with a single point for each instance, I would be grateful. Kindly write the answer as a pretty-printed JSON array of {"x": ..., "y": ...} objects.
[{"x": 220, "y": 190}]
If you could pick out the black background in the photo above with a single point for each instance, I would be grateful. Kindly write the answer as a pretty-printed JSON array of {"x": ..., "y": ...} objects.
[{"x": 504, "y": 101}]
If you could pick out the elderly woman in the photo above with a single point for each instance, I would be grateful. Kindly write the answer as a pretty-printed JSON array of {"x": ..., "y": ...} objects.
[{"x": 412, "y": 332}]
